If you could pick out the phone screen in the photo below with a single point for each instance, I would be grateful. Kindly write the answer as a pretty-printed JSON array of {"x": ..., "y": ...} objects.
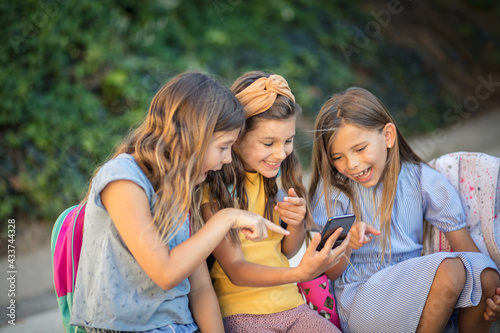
[{"x": 333, "y": 223}]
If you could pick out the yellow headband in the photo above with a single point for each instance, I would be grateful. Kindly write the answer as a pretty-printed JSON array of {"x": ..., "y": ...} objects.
[{"x": 261, "y": 94}]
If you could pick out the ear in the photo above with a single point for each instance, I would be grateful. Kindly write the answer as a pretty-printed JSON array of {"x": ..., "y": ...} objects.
[
  {"x": 389, "y": 134},
  {"x": 236, "y": 146}
]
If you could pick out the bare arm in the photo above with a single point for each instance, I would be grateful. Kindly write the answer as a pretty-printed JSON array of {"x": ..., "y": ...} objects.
[
  {"x": 461, "y": 241},
  {"x": 336, "y": 271},
  {"x": 291, "y": 244},
  {"x": 203, "y": 301},
  {"x": 128, "y": 207},
  {"x": 243, "y": 273}
]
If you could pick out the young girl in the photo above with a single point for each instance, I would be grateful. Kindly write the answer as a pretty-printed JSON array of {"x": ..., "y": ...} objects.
[
  {"x": 253, "y": 281},
  {"x": 363, "y": 165},
  {"x": 136, "y": 256}
]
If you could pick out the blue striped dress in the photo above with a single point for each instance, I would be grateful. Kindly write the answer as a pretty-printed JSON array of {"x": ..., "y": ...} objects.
[{"x": 389, "y": 297}]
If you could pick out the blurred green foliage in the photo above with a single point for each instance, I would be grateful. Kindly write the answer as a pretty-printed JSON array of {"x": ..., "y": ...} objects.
[{"x": 77, "y": 75}]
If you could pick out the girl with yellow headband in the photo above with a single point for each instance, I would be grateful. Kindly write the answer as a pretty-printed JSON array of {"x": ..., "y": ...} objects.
[{"x": 253, "y": 281}]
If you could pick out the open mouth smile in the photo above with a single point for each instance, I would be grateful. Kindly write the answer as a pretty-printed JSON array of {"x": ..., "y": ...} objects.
[
  {"x": 363, "y": 175},
  {"x": 273, "y": 165}
]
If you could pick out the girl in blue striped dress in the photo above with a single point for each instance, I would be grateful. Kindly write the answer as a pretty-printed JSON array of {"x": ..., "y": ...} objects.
[{"x": 363, "y": 165}]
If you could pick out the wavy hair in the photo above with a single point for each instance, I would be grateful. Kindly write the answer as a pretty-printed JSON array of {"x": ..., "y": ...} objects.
[
  {"x": 358, "y": 107},
  {"x": 234, "y": 173},
  {"x": 171, "y": 142}
]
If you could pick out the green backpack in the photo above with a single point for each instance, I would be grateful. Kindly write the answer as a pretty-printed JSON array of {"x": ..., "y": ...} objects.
[{"x": 66, "y": 244}]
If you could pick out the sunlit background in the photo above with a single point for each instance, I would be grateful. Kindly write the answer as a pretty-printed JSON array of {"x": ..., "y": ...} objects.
[{"x": 77, "y": 75}]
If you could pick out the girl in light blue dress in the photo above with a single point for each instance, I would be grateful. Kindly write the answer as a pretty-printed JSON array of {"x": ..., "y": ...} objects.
[{"x": 363, "y": 165}]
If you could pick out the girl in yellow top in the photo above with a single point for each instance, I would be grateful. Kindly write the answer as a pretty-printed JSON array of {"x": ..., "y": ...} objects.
[{"x": 253, "y": 280}]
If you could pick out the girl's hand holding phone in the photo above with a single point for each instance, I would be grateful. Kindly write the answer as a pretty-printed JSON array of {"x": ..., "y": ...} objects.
[
  {"x": 314, "y": 262},
  {"x": 360, "y": 234}
]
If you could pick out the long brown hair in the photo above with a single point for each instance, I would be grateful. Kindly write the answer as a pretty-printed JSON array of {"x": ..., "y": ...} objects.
[
  {"x": 234, "y": 173},
  {"x": 358, "y": 107},
  {"x": 171, "y": 142}
]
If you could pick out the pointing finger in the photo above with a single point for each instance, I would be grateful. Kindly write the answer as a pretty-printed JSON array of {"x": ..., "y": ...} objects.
[{"x": 276, "y": 228}]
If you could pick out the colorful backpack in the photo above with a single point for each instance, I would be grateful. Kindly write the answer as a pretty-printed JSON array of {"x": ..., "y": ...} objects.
[
  {"x": 66, "y": 244},
  {"x": 476, "y": 177},
  {"x": 317, "y": 295}
]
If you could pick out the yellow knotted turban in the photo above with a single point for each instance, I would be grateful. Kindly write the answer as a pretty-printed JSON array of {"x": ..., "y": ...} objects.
[{"x": 261, "y": 94}]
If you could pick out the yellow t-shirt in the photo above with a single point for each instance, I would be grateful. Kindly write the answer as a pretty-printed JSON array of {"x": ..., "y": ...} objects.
[{"x": 235, "y": 299}]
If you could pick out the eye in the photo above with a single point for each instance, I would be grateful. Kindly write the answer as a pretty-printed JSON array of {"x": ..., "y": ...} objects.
[
  {"x": 268, "y": 144},
  {"x": 361, "y": 149},
  {"x": 224, "y": 148},
  {"x": 335, "y": 158},
  {"x": 289, "y": 141}
]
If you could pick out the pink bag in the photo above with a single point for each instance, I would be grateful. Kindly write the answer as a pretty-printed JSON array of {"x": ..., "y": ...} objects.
[
  {"x": 66, "y": 244},
  {"x": 318, "y": 297}
]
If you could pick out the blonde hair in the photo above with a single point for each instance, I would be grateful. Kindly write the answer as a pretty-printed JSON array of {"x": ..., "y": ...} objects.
[
  {"x": 358, "y": 107},
  {"x": 234, "y": 173},
  {"x": 171, "y": 142}
]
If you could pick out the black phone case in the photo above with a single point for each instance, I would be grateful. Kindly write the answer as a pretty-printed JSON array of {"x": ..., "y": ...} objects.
[{"x": 333, "y": 223}]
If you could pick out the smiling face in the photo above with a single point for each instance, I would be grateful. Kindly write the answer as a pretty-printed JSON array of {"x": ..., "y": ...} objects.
[
  {"x": 361, "y": 154},
  {"x": 218, "y": 153},
  {"x": 263, "y": 148}
]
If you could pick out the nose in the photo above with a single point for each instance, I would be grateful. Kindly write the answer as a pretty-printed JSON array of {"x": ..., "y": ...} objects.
[
  {"x": 352, "y": 162},
  {"x": 281, "y": 152},
  {"x": 227, "y": 158}
]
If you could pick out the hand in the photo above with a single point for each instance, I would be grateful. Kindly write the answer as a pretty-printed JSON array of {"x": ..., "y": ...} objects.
[
  {"x": 252, "y": 225},
  {"x": 492, "y": 311},
  {"x": 292, "y": 209},
  {"x": 314, "y": 263},
  {"x": 359, "y": 234}
]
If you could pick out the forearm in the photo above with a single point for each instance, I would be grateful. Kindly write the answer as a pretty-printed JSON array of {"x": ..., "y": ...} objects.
[
  {"x": 187, "y": 256},
  {"x": 206, "y": 312},
  {"x": 336, "y": 271},
  {"x": 129, "y": 209},
  {"x": 248, "y": 274},
  {"x": 203, "y": 302},
  {"x": 292, "y": 243},
  {"x": 461, "y": 241}
]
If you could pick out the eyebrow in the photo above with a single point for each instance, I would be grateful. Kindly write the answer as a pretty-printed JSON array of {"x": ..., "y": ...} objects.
[
  {"x": 228, "y": 142},
  {"x": 359, "y": 144},
  {"x": 273, "y": 138},
  {"x": 353, "y": 147}
]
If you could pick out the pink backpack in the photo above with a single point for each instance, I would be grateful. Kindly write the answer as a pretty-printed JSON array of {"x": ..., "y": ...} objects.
[
  {"x": 66, "y": 244},
  {"x": 317, "y": 295},
  {"x": 476, "y": 177}
]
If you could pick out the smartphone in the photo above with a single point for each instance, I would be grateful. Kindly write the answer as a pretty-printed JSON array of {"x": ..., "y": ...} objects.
[
  {"x": 279, "y": 197},
  {"x": 333, "y": 223}
]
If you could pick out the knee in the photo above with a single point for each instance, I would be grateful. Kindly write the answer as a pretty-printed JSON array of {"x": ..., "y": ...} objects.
[
  {"x": 454, "y": 272},
  {"x": 490, "y": 280}
]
